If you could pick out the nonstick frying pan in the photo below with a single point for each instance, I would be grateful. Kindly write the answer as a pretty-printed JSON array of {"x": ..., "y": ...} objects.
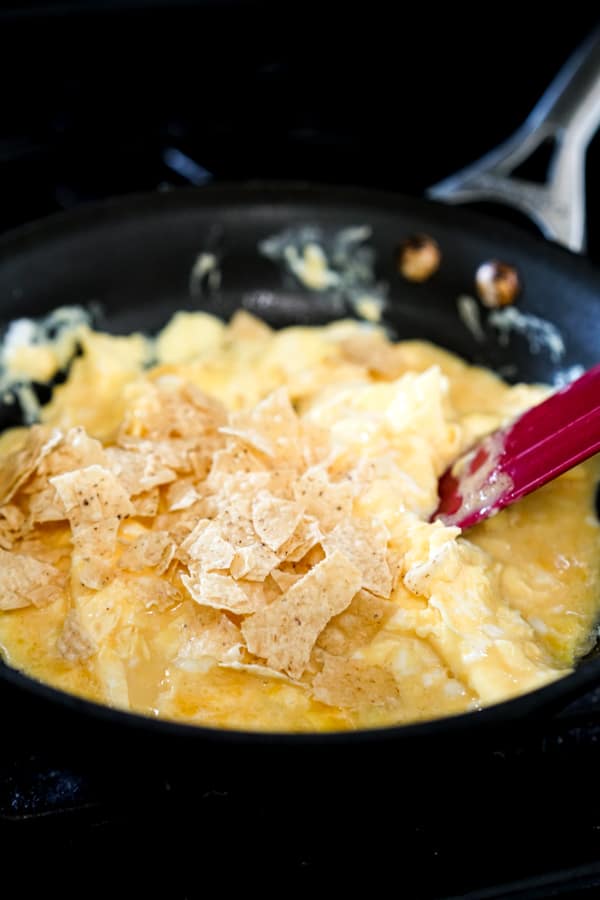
[{"x": 132, "y": 257}]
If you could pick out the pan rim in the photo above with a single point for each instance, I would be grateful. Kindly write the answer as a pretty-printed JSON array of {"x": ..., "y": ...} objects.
[
  {"x": 277, "y": 192},
  {"x": 557, "y": 694},
  {"x": 272, "y": 192}
]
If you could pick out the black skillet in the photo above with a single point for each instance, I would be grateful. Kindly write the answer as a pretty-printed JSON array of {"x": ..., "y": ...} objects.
[{"x": 133, "y": 257}]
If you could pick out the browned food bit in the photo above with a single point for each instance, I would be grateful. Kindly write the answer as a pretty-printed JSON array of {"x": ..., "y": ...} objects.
[
  {"x": 497, "y": 284},
  {"x": 418, "y": 257}
]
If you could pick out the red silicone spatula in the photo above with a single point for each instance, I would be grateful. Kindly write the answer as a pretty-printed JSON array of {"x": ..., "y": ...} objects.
[{"x": 515, "y": 460}]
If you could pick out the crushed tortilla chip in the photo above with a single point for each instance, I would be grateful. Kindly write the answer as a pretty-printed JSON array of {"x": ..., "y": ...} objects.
[
  {"x": 92, "y": 494},
  {"x": 306, "y": 536},
  {"x": 12, "y": 525},
  {"x": 206, "y": 546},
  {"x": 258, "y": 670},
  {"x": 74, "y": 643},
  {"x": 154, "y": 593},
  {"x": 76, "y": 450},
  {"x": 138, "y": 472},
  {"x": 146, "y": 504},
  {"x": 89, "y": 569},
  {"x": 45, "y": 551},
  {"x": 45, "y": 506},
  {"x": 357, "y": 625},
  {"x": 220, "y": 592},
  {"x": 272, "y": 427},
  {"x": 213, "y": 635},
  {"x": 253, "y": 562},
  {"x": 153, "y": 550},
  {"x": 275, "y": 520},
  {"x": 351, "y": 683},
  {"x": 25, "y": 581},
  {"x": 19, "y": 465},
  {"x": 283, "y": 579},
  {"x": 284, "y": 633},
  {"x": 365, "y": 543},
  {"x": 231, "y": 460},
  {"x": 328, "y": 502},
  {"x": 181, "y": 495}
]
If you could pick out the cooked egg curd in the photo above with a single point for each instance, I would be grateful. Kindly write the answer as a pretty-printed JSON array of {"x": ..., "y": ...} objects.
[{"x": 238, "y": 535}]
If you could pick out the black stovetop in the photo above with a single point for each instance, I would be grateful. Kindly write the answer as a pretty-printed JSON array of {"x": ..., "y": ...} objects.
[{"x": 147, "y": 99}]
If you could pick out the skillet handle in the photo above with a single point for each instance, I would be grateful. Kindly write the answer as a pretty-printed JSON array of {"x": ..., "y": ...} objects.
[{"x": 568, "y": 114}]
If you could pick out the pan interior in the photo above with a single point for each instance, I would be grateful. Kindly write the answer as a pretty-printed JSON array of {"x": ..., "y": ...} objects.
[{"x": 132, "y": 262}]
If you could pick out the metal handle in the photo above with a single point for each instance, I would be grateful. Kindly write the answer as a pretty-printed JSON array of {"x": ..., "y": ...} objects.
[{"x": 568, "y": 113}]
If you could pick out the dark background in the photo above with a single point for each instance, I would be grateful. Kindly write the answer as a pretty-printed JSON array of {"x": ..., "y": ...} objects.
[
  {"x": 94, "y": 99},
  {"x": 391, "y": 95}
]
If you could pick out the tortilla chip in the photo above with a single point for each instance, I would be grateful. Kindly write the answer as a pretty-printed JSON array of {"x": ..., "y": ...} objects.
[
  {"x": 212, "y": 634},
  {"x": 12, "y": 516},
  {"x": 92, "y": 494},
  {"x": 356, "y": 626},
  {"x": 253, "y": 562},
  {"x": 12, "y": 525},
  {"x": 44, "y": 551},
  {"x": 25, "y": 581},
  {"x": 307, "y": 535},
  {"x": 99, "y": 538},
  {"x": 353, "y": 684},
  {"x": 146, "y": 505},
  {"x": 76, "y": 450},
  {"x": 45, "y": 506},
  {"x": 74, "y": 643},
  {"x": 365, "y": 543},
  {"x": 220, "y": 592},
  {"x": 258, "y": 670},
  {"x": 171, "y": 408},
  {"x": 274, "y": 520},
  {"x": 17, "y": 467},
  {"x": 284, "y": 633},
  {"x": 283, "y": 579},
  {"x": 236, "y": 493},
  {"x": 272, "y": 427},
  {"x": 173, "y": 454},
  {"x": 94, "y": 574},
  {"x": 138, "y": 472},
  {"x": 231, "y": 460},
  {"x": 181, "y": 495},
  {"x": 327, "y": 501},
  {"x": 154, "y": 593},
  {"x": 155, "y": 549},
  {"x": 206, "y": 546}
]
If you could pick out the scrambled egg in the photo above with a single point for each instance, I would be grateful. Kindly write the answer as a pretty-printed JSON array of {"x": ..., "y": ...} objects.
[{"x": 239, "y": 535}]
